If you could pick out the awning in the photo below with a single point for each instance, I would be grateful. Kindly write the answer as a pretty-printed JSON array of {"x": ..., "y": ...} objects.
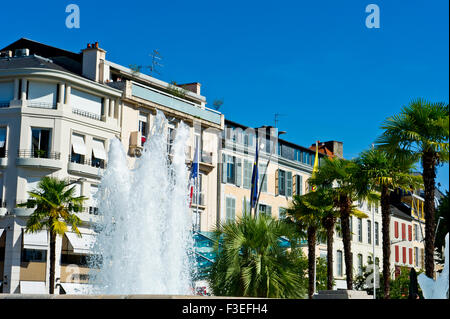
[
  {"x": 77, "y": 289},
  {"x": 99, "y": 149},
  {"x": 33, "y": 287},
  {"x": 2, "y": 138},
  {"x": 37, "y": 240},
  {"x": 78, "y": 145},
  {"x": 81, "y": 245}
]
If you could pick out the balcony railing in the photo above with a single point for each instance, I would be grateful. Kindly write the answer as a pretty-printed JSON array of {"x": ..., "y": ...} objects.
[
  {"x": 86, "y": 114},
  {"x": 39, "y": 154},
  {"x": 94, "y": 163},
  {"x": 42, "y": 105}
]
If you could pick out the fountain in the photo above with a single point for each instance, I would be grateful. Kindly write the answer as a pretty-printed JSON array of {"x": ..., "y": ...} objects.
[
  {"x": 436, "y": 289},
  {"x": 144, "y": 241}
]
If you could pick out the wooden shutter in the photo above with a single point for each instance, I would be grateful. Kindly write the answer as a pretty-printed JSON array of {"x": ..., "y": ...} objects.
[
  {"x": 289, "y": 184},
  {"x": 224, "y": 168},
  {"x": 396, "y": 229},
  {"x": 294, "y": 185},
  {"x": 410, "y": 256},
  {"x": 404, "y": 255},
  {"x": 276, "y": 182},
  {"x": 403, "y": 231},
  {"x": 238, "y": 169},
  {"x": 396, "y": 254},
  {"x": 409, "y": 232}
]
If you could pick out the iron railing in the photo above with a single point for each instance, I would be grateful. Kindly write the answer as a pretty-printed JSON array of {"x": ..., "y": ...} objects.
[
  {"x": 86, "y": 114},
  {"x": 42, "y": 105},
  {"x": 36, "y": 153},
  {"x": 99, "y": 163}
]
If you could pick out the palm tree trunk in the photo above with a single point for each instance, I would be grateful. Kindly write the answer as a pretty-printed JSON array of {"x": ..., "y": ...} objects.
[
  {"x": 345, "y": 206},
  {"x": 311, "y": 259},
  {"x": 52, "y": 261},
  {"x": 429, "y": 175},
  {"x": 386, "y": 221},
  {"x": 330, "y": 232}
]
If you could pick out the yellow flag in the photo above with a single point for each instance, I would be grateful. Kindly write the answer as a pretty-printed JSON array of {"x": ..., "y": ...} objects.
[{"x": 316, "y": 165}]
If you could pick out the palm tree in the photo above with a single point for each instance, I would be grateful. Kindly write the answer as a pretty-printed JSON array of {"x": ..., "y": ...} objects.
[
  {"x": 338, "y": 175},
  {"x": 55, "y": 204},
  {"x": 252, "y": 263},
  {"x": 307, "y": 212},
  {"x": 385, "y": 173},
  {"x": 421, "y": 131}
]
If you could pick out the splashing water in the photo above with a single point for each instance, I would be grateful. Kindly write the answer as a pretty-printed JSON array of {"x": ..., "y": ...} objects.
[{"x": 145, "y": 240}]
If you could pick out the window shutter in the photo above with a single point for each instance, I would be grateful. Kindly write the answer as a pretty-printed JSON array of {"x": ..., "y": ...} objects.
[
  {"x": 247, "y": 174},
  {"x": 224, "y": 168},
  {"x": 396, "y": 254},
  {"x": 404, "y": 254},
  {"x": 409, "y": 232},
  {"x": 403, "y": 231},
  {"x": 269, "y": 210},
  {"x": 396, "y": 229},
  {"x": 276, "y": 182},
  {"x": 289, "y": 184},
  {"x": 294, "y": 185},
  {"x": 410, "y": 256},
  {"x": 300, "y": 185},
  {"x": 238, "y": 168}
]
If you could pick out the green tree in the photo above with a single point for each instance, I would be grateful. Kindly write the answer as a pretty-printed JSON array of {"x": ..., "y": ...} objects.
[
  {"x": 382, "y": 173},
  {"x": 421, "y": 132},
  {"x": 252, "y": 263},
  {"x": 339, "y": 177},
  {"x": 307, "y": 212},
  {"x": 55, "y": 207}
]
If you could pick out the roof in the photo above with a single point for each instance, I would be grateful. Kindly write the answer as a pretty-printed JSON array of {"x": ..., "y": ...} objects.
[
  {"x": 31, "y": 61},
  {"x": 322, "y": 149},
  {"x": 69, "y": 61},
  {"x": 399, "y": 214}
]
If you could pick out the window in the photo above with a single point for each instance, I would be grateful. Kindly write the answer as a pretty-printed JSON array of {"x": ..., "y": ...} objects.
[
  {"x": 416, "y": 232},
  {"x": 231, "y": 173},
  {"x": 297, "y": 155},
  {"x": 281, "y": 213},
  {"x": 351, "y": 227},
  {"x": 416, "y": 256},
  {"x": 298, "y": 189},
  {"x": 2, "y": 142},
  {"x": 40, "y": 142},
  {"x": 360, "y": 235},
  {"x": 230, "y": 208},
  {"x": 403, "y": 231},
  {"x": 377, "y": 236},
  {"x": 171, "y": 138},
  {"x": 305, "y": 158},
  {"x": 248, "y": 171},
  {"x": 339, "y": 263},
  {"x": 339, "y": 228},
  {"x": 98, "y": 153},
  {"x": 78, "y": 149},
  {"x": 34, "y": 255},
  {"x": 360, "y": 264},
  {"x": 143, "y": 127},
  {"x": 377, "y": 261},
  {"x": 404, "y": 254},
  {"x": 396, "y": 254},
  {"x": 396, "y": 229},
  {"x": 264, "y": 210},
  {"x": 376, "y": 208},
  {"x": 263, "y": 178},
  {"x": 410, "y": 256},
  {"x": 369, "y": 232},
  {"x": 246, "y": 209},
  {"x": 409, "y": 232},
  {"x": 284, "y": 183}
]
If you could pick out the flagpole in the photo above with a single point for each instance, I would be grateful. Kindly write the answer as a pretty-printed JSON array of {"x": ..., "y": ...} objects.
[
  {"x": 196, "y": 188},
  {"x": 251, "y": 198}
]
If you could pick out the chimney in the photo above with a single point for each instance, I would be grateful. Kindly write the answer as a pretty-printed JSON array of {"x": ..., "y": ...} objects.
[
  {"x": 193, "y": 87},
  {"x": 93, "y": 62},
  {"x": 336, "y": 147}
]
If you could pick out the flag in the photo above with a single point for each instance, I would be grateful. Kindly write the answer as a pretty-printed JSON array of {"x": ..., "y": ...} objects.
[
  {"x": 193, "y": 175},
  {"x": 254, "y": 189},
  {"x": 316, "y": 165}
]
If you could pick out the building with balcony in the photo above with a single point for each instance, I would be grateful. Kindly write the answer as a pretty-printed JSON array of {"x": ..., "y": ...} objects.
[{"x": 58, "y": 112}]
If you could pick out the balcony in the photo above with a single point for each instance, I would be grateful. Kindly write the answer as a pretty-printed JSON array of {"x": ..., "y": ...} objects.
[
  {"x": 3, "y": 158},
  {"x": 39, "y": 159},
  {"x": 93, "y": 168}
]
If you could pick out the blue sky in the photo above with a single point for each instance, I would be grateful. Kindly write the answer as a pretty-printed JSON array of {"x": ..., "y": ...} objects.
[{"x": 315, "y": 62}]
